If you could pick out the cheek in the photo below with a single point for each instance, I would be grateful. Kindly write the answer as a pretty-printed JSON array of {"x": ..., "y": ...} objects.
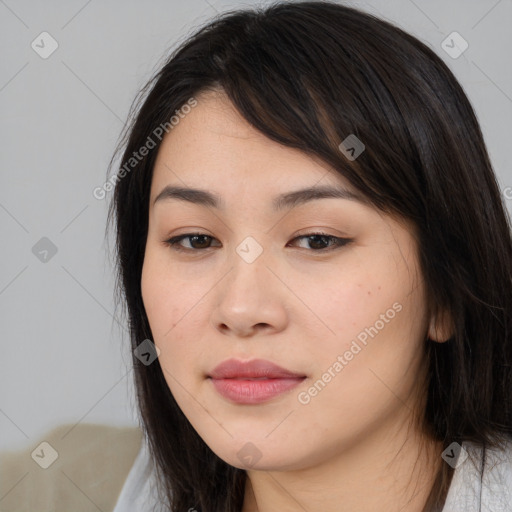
[
  {"x": 358, "y": 373},
  {"x": 357, "y": 302},
  {"x": 171, "y": 303},
  {"x": 375, "y": 315},
  {"x": 156, "y": 296},
  {"x": 161, "y": 303},
  {"x": 167, "y": 297}
]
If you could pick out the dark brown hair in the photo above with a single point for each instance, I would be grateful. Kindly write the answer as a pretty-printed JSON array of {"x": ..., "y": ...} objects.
[{"x": 307, "y": 75}]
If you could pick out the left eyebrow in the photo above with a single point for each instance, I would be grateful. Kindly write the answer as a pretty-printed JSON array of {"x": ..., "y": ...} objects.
[
  {"x": 290, "y": 200},
  {"x": 287, "y": 200}
]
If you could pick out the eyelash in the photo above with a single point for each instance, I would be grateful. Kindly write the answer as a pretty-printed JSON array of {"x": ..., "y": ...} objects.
[{"x": 339, "y": 242}]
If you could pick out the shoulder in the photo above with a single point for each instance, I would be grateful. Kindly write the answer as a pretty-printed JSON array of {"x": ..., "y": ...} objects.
[
  {"x": 139, "y": 493},
  {"x": 497, "y": 478},
  {"x": 482, "y": 478}
]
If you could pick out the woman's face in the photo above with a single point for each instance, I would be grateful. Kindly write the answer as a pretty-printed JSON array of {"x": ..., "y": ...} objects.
[{"x": 348, "y": 320}]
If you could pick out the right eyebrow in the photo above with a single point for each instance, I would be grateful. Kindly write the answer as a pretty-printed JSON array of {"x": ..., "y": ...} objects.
[{"x": 283, "y": 201}]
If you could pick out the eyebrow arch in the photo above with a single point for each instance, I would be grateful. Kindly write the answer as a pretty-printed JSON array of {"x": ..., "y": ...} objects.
[{"x": 284, "y": 201}]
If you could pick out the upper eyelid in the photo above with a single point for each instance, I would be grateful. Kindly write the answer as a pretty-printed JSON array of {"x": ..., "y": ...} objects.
[
  {"x": 178, "y": 238},
  {"x": 301, "y": 235}
]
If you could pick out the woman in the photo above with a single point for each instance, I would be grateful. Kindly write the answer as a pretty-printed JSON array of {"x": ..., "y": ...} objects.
[{"x": 317, "y": 266}]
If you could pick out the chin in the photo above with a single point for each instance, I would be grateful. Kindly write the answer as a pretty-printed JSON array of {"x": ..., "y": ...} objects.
[{"x": 258, "y": 455}]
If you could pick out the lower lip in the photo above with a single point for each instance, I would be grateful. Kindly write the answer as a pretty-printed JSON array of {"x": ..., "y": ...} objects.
[{"x": 254, "y": 391}]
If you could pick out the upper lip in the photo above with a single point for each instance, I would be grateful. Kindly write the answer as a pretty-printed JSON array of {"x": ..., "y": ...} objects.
[{"x": 256, "y": 368}]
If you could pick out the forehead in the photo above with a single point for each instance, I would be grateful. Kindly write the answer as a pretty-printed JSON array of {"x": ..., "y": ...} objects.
[{"x": 214, "y": 147}]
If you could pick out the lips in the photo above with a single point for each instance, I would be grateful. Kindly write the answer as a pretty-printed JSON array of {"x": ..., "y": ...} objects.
[
  {"x": 252, "y": 382},
  {"x": 251, "y": 370}
]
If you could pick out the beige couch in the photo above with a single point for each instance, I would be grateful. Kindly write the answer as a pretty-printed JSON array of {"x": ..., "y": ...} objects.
[{"x": 87, "y": 467}]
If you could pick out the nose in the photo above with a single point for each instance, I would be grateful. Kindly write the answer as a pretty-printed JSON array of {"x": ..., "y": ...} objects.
[{"x": 251, "y": 299}]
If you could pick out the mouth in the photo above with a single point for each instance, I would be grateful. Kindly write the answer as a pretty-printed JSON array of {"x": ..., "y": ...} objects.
[
  {"x": 252, "y": 382},
  {"x": 251, "y": 370}
]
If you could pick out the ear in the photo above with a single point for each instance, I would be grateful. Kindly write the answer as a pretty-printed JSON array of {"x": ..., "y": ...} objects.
[{"x": 441, "y": 328}]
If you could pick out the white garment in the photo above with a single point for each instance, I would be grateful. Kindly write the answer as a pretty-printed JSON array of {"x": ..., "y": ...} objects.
[
  {"x": 466, "y": 491},
  {"x": 139, "y": 492},
  {"x": 494, "y": 490}
]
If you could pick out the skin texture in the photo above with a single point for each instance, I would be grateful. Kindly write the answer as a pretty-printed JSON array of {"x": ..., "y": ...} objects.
[{"x": 354, "y": 445}]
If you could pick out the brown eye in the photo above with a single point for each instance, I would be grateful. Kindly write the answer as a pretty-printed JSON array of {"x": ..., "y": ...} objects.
[
  {"x": 323, "y": 242},
  {"x": 198, "y": 241},
  {"x": 318, "y": 242}
]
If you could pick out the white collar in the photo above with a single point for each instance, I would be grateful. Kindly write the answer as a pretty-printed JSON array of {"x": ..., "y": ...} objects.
[{"x": 470, "y": 491}]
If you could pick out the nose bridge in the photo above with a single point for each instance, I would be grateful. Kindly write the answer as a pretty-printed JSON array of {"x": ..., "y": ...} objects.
[
  {"x": 247, "y": 296},
  {"x": 248, "y": 269}
]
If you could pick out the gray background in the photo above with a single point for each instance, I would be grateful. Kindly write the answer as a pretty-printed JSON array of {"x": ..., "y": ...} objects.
[{"x": 65, "y": 359}]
